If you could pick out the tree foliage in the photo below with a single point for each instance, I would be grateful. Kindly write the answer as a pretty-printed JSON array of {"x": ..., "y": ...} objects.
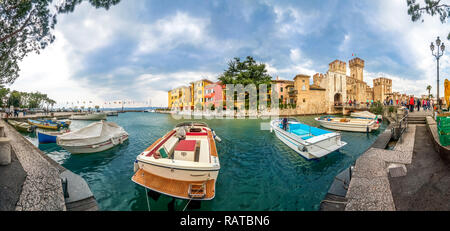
[
  {"x": 430, "y": 7},
  {"x": 24, "y": 99},
  {"x": 26, "y": 26},
  {"x": 246, "y": 72}
]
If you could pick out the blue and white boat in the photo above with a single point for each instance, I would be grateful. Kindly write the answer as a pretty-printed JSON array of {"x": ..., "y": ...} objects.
[
  {"x": 45, "y": 137},
  {"x": 310, "y": 142}
]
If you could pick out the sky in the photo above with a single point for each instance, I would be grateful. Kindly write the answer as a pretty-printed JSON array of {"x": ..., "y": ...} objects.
[{"x": 138, "y": 50}]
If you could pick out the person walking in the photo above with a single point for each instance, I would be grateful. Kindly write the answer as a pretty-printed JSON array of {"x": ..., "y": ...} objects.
[
  {"x": 418, "y": 104},
  {"x": 411, "y": 104}
]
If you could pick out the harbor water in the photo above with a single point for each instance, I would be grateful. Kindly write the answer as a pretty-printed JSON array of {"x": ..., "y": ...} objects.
[{"x": 258, "y": 171}]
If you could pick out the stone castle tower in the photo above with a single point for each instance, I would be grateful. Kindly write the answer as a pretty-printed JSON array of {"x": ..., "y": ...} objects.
[
  {"x": 382, "y": 88},
  {"x": 356, "y": 68}
]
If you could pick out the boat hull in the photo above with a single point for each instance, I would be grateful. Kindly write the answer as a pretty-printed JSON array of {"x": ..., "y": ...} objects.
[
  {"x": 179, "y": 179},
  {"x": 314, "y": 150},
  {"x": 94, "y": 148},
  {"x": 348, "y": 127},
  {"x": 44, "y": 138},
  {"x": 44, "y": 125},
  {"x": 101, "y": 116}
]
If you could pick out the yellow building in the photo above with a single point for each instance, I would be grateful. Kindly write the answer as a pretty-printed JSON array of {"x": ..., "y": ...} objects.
[
  {"x": 382, "y": 88},
  {"x": 180, "y": 98},
  {"x": 198, "y": 93}
]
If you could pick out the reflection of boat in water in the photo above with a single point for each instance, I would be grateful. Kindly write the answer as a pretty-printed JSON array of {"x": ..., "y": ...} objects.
[
  {"x": 92, "y": 116},
  {"x": 182, "y": 164},
  {"x": 20, "y": 126},
  {"x": 149, "y": 110},
  {"x": 95, "y": 137},
  {"x": 45, "y": 124},
  {"x": 366, "y": 115},
  {"x": 308, "y": 141},
  {"x": 348, "y": 124},
  {"x": 45, "y": 137}
]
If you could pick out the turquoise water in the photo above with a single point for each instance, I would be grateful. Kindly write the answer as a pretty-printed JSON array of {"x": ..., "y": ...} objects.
[{"x": 258, "y": 171}]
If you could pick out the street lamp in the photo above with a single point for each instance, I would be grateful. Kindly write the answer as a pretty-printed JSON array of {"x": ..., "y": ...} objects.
[{"x": 437, "y": 55}]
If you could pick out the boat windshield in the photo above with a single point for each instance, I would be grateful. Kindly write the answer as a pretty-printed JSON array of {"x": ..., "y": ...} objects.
[{"x": 189, "y": 124}]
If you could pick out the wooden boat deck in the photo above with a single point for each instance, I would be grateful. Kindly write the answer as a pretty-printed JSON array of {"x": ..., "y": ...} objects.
[{"x": 174, "y": 188}]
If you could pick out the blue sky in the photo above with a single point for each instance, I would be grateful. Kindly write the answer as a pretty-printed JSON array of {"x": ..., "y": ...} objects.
[{"x": 140, "y": 49}]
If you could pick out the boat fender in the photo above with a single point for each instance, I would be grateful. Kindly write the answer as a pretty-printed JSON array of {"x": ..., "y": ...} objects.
[
  {"x": 302, "y": 148},
  {"x": 218, "y": 139},
  {"x": 94, "y": 146},
  {"x": 113, "y": 141},
  {"x": 136, "y": 166}
]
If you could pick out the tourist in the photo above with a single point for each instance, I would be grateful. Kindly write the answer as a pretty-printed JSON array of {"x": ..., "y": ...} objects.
[
  {"x": 285, "y": 121},
  {"x": 418, "y": 104},
  {"x": 411, "y": 104}
]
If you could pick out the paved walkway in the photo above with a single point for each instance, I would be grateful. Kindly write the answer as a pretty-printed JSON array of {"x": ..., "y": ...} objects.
[
  {"x": 42, "y": 189},
  {"x": 427, "y": 184},
  {"x": 369, "y": 188}
]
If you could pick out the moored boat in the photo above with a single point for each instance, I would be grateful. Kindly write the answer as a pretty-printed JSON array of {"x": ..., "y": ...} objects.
[
  {"x": 111, "y": 113},
  {"x": 310, "y": 142},
  {"x": 348, "y": 124},
  {"x": 45, "y": 137},
  {"x": 92, "y": 116},
  {"x": 20, "y": 126},
  {"x": 45, "y": 124},
  {"x": 366, "y": 115},
  {"x": 182, "y": 164},
  {"x": 96, "y": 137}
]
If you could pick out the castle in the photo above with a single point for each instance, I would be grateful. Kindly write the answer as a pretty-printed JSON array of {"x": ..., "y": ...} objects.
[{"x": 330, "y": 91}]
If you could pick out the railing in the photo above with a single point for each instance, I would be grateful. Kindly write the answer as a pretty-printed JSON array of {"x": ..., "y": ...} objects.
[{"x": 399, "y": 126}]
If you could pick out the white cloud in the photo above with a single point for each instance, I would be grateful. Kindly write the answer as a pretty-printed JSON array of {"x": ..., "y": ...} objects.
[{"x": 170, "y": 32}]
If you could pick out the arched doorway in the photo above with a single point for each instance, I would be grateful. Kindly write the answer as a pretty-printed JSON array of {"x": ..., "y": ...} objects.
[{"x": 338, "y": 99}]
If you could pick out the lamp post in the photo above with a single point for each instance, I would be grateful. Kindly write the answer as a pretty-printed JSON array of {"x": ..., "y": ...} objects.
[{"x": 437, "y": 55}]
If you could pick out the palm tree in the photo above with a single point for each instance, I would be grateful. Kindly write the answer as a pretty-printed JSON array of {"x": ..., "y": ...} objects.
[{"x": 429, "y": 90}]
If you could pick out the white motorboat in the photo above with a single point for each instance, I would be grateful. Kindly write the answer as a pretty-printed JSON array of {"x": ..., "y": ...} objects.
[
  {"x": 366, "y": 115},
  {"x": 182, "y": 164},
  {"x": 91, "y": 116},
  {"x": 310, "y": 142},
  {"x": 111, "y": 113},
  {"x": 96, "y": 137},
  {"x": 348, "y": 124}
]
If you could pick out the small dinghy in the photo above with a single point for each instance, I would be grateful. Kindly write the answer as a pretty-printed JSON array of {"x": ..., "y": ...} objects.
[
  {"x": 45, "y": 124},
  {"x": 366, "y": 115},
  {"x": 92, "y": 116},
  {"x": 348, "y": 124},
  {"x": 21, "y": 126},
  {"x": 310, "y": 142},
  {"x": 96, "y": 137},
  {"x": 182, "y": 164},
  {"x": 45, "y": 137}
]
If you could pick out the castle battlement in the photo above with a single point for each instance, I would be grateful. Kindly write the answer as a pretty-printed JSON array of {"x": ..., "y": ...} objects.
[
  {"x": 356, "y": 62},
  {"x": 338, "y": 66}
]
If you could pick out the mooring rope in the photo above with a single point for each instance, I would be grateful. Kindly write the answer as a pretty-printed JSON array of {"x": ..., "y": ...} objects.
[{"x": 146, "y": 195}]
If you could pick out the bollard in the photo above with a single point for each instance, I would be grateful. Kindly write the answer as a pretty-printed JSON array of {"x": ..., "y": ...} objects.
[{"x": 5, "y": 151}]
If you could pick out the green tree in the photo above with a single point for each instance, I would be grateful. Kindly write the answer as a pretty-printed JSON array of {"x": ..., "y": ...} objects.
[
  {"x": 246, "y": 72},
  {"x": 3, "y": 96},
  {"x": 14, "y": 99},
  {"x": 429, "y": 90},
  {"x": 430, "y": 7},
  {"x": 26, "y": 26}
]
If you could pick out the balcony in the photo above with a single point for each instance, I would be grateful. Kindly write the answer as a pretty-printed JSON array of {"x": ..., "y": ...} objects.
[{"x": 292, "y": 92}]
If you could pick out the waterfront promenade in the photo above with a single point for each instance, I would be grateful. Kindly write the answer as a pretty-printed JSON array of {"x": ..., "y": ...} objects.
[
  {"x": 412, "y": 176},
  {"x": 33, "y": 181}
]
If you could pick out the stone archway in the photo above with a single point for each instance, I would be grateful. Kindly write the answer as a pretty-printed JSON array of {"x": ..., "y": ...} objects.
[{"x": 338, "y": 99}]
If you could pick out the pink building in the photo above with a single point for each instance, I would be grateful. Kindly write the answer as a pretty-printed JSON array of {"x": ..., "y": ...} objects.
[{"x": 214, "y": 95}]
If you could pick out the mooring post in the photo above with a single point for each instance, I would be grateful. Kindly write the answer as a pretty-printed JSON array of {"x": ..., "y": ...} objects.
[{"x": 5, "y": 151}]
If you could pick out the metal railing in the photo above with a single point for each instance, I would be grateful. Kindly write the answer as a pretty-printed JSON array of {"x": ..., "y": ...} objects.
[{"x": 400, "y": 126}]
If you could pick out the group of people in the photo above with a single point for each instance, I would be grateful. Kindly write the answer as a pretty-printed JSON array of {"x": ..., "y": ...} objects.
[
  {"x": 414, "y": 103},
  {"x": 11, "y": 112},
  {"x": 354, "y": 102}
]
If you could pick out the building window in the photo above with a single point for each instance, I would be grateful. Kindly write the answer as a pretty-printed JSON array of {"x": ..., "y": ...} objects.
[
  {"x": 303, "y": 88},
  {"x": 303, "y": 80},
  {"x": 281, "y": 89},
  {"x": 304, "y": 100}
]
